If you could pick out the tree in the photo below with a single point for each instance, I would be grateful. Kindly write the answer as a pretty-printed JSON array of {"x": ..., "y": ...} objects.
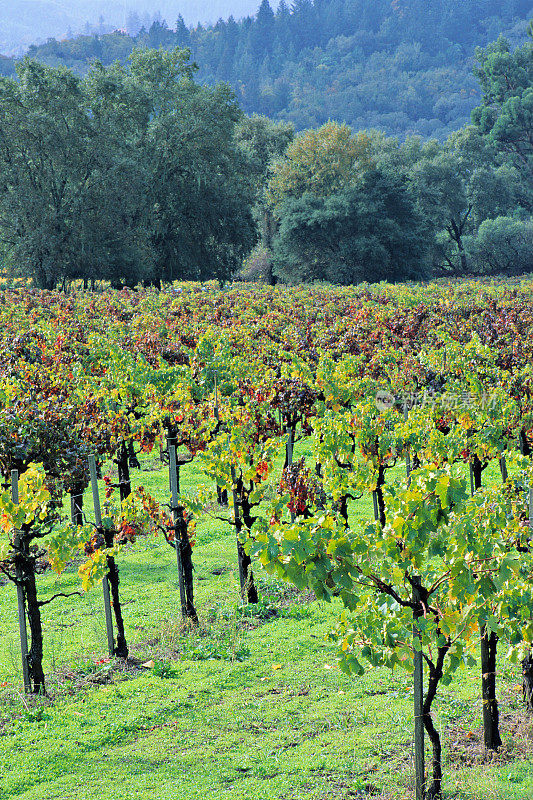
[
  {"x": 320, "y": 162},
  {"x": 183, "y": 36},
  {"x": 263, "y": 30},
  {"x": 129, "y": 174},
  {"x": 456, "y": 185},
  {"x": 502, "y": 246},
  {"x": 42, "y": 166},
  {"x": 70, "y": 192},
  {"x": 26, "y": 527},
  {"x": 442, "y": 198},
  {"x": 370, "y": 232},
  {"x": 506, "y": 114},
  {"x": 435, "y": 568},
  {"x": 262, "y": 142},
  {"x": 202, "y": 224},
  {"x": 133, "y": 23}
]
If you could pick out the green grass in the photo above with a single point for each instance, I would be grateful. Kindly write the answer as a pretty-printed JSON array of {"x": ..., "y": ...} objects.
[{"x": 249, "y": 706}]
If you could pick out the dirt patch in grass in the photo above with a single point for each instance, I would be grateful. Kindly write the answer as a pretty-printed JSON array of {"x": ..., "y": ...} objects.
[
  {"x": 65, "y": 682},
  {"x": 100, "y": 672},
  {"x": 343, "y": 789},
  {"x": 465, "y": 747}
]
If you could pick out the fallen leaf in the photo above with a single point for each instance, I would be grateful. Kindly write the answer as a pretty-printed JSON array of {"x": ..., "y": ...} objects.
[
  {"x": 149, "y": 665},
  {"x": 276, "y": 666}
]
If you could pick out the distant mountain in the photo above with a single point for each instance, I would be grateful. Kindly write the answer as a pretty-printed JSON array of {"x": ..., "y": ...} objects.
[
  {"x": 26, "y": 22},
  {"x": 403, "y": 66}
]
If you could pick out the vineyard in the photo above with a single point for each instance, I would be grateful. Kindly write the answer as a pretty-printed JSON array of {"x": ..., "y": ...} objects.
[{"x": 262, "y": 542}]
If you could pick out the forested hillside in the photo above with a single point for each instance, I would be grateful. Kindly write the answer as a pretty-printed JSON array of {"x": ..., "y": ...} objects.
[
  {"x": 403, "y": 66},
  {"x": 27, "y": 22},
  {"x": 138, "y": 173}
]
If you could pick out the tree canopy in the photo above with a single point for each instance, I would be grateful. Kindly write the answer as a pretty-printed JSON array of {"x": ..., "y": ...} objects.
[
  {"x": 402, "y": 66},
  {"x": 131, "y": 173}
]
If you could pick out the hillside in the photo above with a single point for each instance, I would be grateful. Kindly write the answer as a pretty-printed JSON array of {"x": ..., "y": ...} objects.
[
  {"x": 27, "y": 22},
  {"x": 404, "y": 67}
]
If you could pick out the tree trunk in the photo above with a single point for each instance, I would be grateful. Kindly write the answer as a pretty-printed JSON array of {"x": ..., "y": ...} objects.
[
  {"x": 121, "y": 646},
  {"x": 488, "y": 647},
  {"x": 124, "y": 481},
  {"x": 222, "y": 496},
  {"x": 527, "y": 663},
  {"x": 245, "y": 563},
  {"x": 525, "y": 447},
  {"x": 456, "y": 232},
  {"x": 187, "y": 566},
  {"x": 477, "y": 469},
  {"x": 342, "y": 504},
  {"x": 527, "y": 681},
  {"x": 379, "y": 495},
  {"x": 181, "y": 540},
  {"x": 491, "y": 729},
  {"x": 133, "y": 461},
  {"x": 246, "y": 575},
  {"x": 35, "y": 653},
  {"x": 434, "y": 791},
  {"x": 289, "y": 447}
]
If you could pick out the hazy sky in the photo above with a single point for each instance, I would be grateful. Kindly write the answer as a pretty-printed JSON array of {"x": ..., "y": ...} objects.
[{"x": 24, "y": 22}]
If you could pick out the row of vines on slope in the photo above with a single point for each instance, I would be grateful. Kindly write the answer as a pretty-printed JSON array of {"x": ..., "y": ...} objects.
[{"x": 293, "y": 404}]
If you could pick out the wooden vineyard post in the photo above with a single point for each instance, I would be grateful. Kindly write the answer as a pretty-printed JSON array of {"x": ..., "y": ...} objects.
[
  {"x": 20, "y": 593},
  {"x": 527, "y": 663},
  {"x": 418, "y": 686},
  {"x": 217, "y": 412},
  {"x": 408, "y": 452},
  {"x": 289, "y": 451},
  {"x": 105, "y": 581},
  {"x": 375, "y": 502},
  {"x": 503, "y": 469},
  {"x": 418, "y": 673},
  {"x": 174, "y": 490},
  {"x": 488, "y": 648},
  {"x": 222, "y": 494}
]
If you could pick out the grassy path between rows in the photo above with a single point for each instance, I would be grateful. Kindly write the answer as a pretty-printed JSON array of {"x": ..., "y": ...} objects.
[{"x": 250, "y": 706}]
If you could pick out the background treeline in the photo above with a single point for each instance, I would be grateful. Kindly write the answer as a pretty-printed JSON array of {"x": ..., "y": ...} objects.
[
  {"x": 27, "y": 22},
  {"x": 139, "y": 173},
  {"x": 403, "y": 66},
  {"x": 126, "y": 175}
]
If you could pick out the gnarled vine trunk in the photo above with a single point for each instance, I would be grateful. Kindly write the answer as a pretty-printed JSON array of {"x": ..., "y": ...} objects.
[
  {"x": 25, "y": 577},
  {"x": 434, "y": 790},
  {"x": 120, "y": 648}
]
